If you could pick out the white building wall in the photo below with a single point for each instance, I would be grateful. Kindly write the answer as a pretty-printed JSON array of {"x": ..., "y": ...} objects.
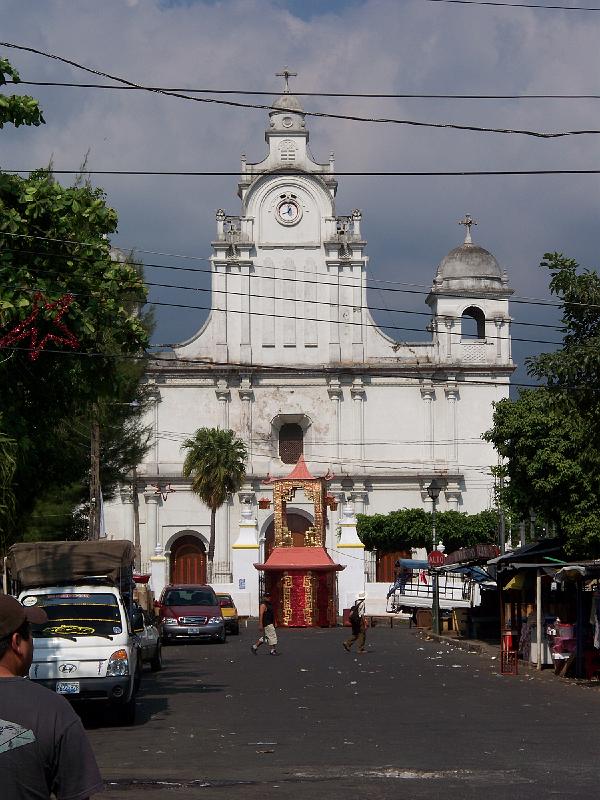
[{"x": 384, "y": 417}]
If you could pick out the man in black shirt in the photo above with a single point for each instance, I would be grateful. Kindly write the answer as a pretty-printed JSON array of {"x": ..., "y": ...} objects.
[
  {"x": 43, "y": 746},
  {"x": 358, "y": 623},
  {"x": 266, "y": 622}
]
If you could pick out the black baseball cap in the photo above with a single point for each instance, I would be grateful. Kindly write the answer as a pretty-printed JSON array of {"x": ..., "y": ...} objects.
[{"x": 13, "y": 615}]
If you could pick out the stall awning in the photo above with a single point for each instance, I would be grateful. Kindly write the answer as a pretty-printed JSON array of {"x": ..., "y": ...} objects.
[
  {"x": 289, "y": 558},
  {"x": 574, "y": 572},
  {"x": 474, "y": 573},
  {"x": 535, "y": 551}
]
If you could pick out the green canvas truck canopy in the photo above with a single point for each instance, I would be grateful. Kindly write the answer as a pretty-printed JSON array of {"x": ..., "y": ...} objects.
[{"x": 56, "y": 563}]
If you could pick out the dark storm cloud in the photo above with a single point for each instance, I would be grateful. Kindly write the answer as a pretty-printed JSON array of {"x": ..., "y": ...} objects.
[{"x": 377, "y": 46}]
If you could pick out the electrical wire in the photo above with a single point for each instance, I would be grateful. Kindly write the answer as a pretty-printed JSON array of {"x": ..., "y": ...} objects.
[
  {"x": 360, "y": 95},
  {"x": 386, "y": 309},
  {"x": 418, "y": 288},
  {"x": 291, "y": 173},
  {"x": 316, "y": 114},
  {"x": 272, "y": 315},
  {"x": 516, "y": 5},
  {"x": 428, "y": 370}
]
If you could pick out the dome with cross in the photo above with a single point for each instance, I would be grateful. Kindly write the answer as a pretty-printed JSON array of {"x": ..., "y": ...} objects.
[
  {"x": 288, "y": 102},
  {"x": 468, "y": 263},
  {"x": 286, "y": 112}
]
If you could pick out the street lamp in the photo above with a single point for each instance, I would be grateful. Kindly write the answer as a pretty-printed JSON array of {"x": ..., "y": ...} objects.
[{"x": 433, "y": 490}]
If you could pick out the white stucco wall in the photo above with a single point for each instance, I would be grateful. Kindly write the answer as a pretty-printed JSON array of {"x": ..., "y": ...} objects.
[{"x": 290, "y": 338}]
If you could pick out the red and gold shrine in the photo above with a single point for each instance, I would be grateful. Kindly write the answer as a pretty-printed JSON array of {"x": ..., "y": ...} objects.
[{"x": 301, "y": 580}]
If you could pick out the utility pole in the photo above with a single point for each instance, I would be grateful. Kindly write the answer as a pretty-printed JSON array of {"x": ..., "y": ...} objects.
[
  {"x": 501, "y": 520},
  {"x": 137, "y": 548},
  {"x": 95, "y": 498}
]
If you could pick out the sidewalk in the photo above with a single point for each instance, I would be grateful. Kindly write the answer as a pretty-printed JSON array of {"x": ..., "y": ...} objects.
[{"x": 492, "y": 652}]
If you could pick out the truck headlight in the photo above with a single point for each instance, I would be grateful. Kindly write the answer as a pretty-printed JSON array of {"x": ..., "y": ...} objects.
[
  {"x": 118, "y": 664},
  {"x": 169, "y": 621},
  {"x": 215, "y": 620}
]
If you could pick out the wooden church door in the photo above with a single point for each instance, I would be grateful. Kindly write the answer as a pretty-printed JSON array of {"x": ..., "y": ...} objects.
[{"x": 188, "y": 561}]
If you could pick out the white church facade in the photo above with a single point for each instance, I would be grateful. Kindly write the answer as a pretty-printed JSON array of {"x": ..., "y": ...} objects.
[{"x": 291, "y": 360}]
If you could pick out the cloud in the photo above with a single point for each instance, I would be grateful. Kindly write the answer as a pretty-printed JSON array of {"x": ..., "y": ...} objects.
[{"x": 373, "y": 46}]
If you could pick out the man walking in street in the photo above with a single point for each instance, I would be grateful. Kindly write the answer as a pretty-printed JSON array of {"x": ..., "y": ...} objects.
[
  {"x": 44, "y": 749},
  {"x": 359, "y": 625},
  {"x": 266, "y": 622}
]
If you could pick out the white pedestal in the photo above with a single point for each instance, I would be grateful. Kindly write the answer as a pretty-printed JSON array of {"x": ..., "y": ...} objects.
[
  {"x": 158, "y": 575},
  {"x": 351, "y": 581},
  {"x": 245, "y": 576},
  {"x": 244, "y": 554},
  {"x": 351, "y": 555}
]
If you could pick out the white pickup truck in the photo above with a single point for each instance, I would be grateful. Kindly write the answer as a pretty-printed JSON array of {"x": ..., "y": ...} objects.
[{"x": 88, "y": 650}]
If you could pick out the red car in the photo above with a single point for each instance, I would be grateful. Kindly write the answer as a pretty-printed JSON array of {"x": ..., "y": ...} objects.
[{"x": 187, "y": 611}]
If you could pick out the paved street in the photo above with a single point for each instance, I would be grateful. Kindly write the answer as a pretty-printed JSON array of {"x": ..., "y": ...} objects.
[{"x": 412, "y": 718}]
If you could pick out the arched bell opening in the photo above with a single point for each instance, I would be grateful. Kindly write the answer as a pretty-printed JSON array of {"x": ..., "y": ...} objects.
[{"x": 472, "y": 323}]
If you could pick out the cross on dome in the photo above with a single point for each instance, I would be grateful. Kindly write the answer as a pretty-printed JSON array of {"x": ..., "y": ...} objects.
[
  {"x": 286, "y": 75},
  {"x": 468, "y": 222}
]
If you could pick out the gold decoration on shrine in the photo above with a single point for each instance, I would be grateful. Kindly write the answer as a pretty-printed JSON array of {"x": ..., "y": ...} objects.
[
  {"x": 287, "y": 538},
  {"x": 312, "y": 538},
  {"x": 308, "y": 582},
  {"x": 286, "y": 603},
  {"x": 284, "y": 491}
]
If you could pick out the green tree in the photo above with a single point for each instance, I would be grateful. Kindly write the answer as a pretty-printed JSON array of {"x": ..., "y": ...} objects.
[
  {"x": 550, "y": 437},
  {"x": 216, "y": 463},
  {"x": 54, "y": 244},
  {"x": 412, "y": 527},
  {"x": 7, "y": 470},
  {"x": 16, "y": 109},
  {"x": 57, "y": 268},
  {"x": 572, "y": 371}
]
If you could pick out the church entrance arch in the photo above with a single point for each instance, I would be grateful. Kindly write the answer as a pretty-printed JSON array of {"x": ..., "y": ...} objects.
[
  {"x": 188, "y": 560},
  {"x": 297, "y": 525}
]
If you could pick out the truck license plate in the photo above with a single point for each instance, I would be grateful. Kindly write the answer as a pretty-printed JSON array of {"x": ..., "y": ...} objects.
[
  {"x": 193, "y": 631},
  {"x": 67, "y": 687}
]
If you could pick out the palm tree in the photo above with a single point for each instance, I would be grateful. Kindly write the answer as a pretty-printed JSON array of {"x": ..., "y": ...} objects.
[{"x": 216, "y": 463}]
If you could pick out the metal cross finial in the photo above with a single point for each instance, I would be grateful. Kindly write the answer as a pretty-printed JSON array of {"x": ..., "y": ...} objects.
[
  {"x": 286, "y": 75},
  {"x": 468, "y": 222}
]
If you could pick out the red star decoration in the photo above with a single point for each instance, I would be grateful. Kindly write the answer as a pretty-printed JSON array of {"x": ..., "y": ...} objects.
[{"x": 28, "y": 330}]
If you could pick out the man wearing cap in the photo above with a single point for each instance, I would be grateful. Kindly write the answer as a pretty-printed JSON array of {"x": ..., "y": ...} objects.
[
  {"x": 44, "y": 749},
  {"x": 359, "y": 625}
]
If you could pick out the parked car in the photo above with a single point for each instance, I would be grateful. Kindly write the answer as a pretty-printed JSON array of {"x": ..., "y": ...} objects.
[
  {"x": 230, "y": 614},
  {"x": 190, "y": 612},
  {"x": 149, "y": 638}
]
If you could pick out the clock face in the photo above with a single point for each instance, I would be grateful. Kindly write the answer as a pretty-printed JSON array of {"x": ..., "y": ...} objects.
[{"x": 288, "y": 212}]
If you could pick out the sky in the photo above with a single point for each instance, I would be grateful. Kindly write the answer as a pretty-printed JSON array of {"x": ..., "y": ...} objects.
[{"x": 343, "y": 46}]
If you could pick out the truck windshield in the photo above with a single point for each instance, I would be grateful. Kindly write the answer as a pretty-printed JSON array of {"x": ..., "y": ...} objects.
[{"x": 77, "y": 614}]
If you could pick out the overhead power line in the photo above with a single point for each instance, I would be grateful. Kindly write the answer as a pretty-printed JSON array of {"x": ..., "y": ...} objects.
[
  {"x": 318, "y": 369},
  {"x": 282, "y": 300},
  {"x": 278, "y": 279},
  {"x": 464, "y": 173},
  {"x": 415, "y": 288},
  {"x": 316, "y": 114},
  {"x": 516, "y": 5},
  {"x": 357, "y": 95}
]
